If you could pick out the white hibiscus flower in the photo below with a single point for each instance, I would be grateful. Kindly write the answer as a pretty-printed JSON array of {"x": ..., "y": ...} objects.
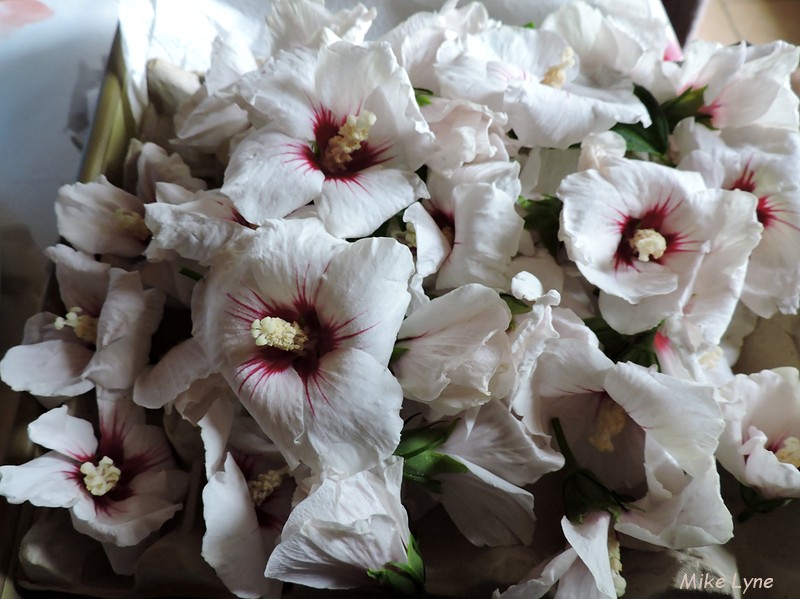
[
  {"x": 302, "y": 326},
  {"x": 118, "y": 489},
  {"x": 535, "y": 77},
  {"x": 761, "y": 442},
  {"x": 103, "y": 339},
  {"x": 349, "y": 144},
  {"x": 343, "y": 529},
  {"x": 657, "y": 242}
]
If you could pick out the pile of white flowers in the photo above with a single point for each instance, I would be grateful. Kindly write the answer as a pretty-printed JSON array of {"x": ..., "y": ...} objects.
[{"x": 467, "y": 273}]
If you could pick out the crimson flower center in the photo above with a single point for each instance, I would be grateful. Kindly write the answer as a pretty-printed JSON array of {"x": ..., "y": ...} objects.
[
  {"x": 646, "y": 238},
  {"x": 338, "y": 149}
]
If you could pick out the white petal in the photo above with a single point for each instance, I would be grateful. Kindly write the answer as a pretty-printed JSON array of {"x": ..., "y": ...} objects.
[
  {"x": 487, "y": 509},
  {"x": 357, "y": 205},
  {"x": 432, "y": 246},
  {"x": 364, "y": 294},
  {"x": 174, "y": 373},
  {"x": 259, "y": 160},
  {"x": 69, "y": 436},
  {"x": 487, "y": 233},
  {"x": 87, "y": 219},
  {"x": 443, "y": 335},
  {"x": 45, "y": 481},
  {"x": 682, "y": 416},
  {"x": 131, "y": 522},
  {"x": 342, "y": 529},
  {"x": 232, "y": 544},
  {"x": 357, "y": 412},
  {"x": 590, "y": 541},
  {"x": 126, "y": 323},
  {"x": 62, "y": 362},
  {"x": 499, "y": 443}
]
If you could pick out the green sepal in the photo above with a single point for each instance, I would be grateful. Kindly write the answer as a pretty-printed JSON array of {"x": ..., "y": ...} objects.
[
  {"x": 426, "y": 438},
  {"x": 756, "y": 503},
  {"x": 415, "y": 563},
  {"x": 402, "y": 580},
  {"x": 397, "y": 584},
  {"x": 543, "y": 216},
  {"x": 688, "y": 104},
  {"x": 193, "y": 275},
  {"x": 397, "y": 352},
  {"x": 424, "y": 467},
  {"x": 636, "y": 348},
  {"x": 516, "y": 306},
  {"x": 583, "y": 492},
  {"x": 529, "y": 25},
  {"x": 423, "y": 96},
  {"x": 653, "y": 139}
]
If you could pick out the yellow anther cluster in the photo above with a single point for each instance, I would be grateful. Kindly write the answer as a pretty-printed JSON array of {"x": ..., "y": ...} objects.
[
  {"x": 789, "y": 453},
  {"x": 276, "y": 332},
  {"x": 411, "y": 235},
  {"x": 265, "y": 484},
  {"x": 610, "y": 423},
  {"x": 351, "y": 135},
  {"x": 649, "y": 243},
  {"x": 615, "y": 560},
  {"x": 711, "y": 357},
  {"x": 556, "y": 75},
  {"x": 133, "y": 223},
  {"x": 85, "y": 326},
  {"x": 100, "y": 479}
]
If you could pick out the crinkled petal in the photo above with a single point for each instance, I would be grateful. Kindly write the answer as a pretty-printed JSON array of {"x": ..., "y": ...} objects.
[
  {"x": 496, "y": 441},
  {"x": 232, "y": 543}
]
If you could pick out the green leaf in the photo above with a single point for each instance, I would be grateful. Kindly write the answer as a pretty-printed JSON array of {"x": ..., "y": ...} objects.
[
  {"x": 653, "y": 139},
  {"x": 426, "y": 438},
  {"x": 543, "y": 217},
  {"x": 530, "y": 25},
  {"x": 516, "y": 306}
]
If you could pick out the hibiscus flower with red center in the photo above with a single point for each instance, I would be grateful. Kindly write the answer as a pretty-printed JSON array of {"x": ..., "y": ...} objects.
[
  {"x": 340, "y": 128},
  {"x": 302, "y": 326}
]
